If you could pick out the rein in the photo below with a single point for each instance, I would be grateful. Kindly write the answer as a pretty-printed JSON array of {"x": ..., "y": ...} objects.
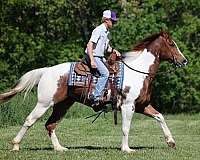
[
  {"x": 160, "y": 73},
  {"x": 134, "y": 69}
]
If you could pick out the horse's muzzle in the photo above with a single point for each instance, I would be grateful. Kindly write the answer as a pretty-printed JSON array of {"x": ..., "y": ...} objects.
[
  {"x": 181, "y": 64},
  {"x": 185, "y": 62}
]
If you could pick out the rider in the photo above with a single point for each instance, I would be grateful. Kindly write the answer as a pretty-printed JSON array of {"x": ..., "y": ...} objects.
[{"x": 96, "y": 47}]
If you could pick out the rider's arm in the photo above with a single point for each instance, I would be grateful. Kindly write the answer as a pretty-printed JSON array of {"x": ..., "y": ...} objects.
[
  {"x": 90, "y": 53},
  {"x": 90, "y": 46},
  {"x": 112, "y": 50}
]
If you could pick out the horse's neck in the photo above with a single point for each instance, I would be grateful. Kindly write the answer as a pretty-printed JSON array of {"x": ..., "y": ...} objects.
[
  {"x": 131, "y": 56},
  {"x": 140, "y": 60}
]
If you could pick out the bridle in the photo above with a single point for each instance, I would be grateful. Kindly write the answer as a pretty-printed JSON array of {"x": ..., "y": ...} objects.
[
  {"x": 173, "y": 61},
  {"x": 148, "y": 73}
]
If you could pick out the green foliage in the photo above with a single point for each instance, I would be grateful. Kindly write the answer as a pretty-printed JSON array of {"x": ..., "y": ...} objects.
[
  {"x": 43, "y": 33},
  {"x": 179, "y": 91}
]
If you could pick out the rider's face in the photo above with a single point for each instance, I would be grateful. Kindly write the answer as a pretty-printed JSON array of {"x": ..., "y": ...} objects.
[{"x": 110, "y": 23}]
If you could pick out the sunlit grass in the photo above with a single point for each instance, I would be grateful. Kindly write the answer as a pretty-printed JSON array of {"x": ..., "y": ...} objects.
[{"x": 102, "y": 139}]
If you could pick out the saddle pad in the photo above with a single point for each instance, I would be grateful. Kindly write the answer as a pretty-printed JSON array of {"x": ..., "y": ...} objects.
[{"x": 81, "y": 80}]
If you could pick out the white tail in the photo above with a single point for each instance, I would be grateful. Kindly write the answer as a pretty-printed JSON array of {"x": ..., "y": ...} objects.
[{"x": 25, "y": 83}]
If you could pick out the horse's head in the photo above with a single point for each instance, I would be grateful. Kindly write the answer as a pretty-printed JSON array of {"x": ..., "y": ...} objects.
[
  {"x": 170, "y": 51},
  {"x": 163, "y": 47}
]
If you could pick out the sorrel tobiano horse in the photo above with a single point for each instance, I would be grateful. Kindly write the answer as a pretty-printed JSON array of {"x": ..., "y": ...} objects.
[{"x": 52, "y": 88}]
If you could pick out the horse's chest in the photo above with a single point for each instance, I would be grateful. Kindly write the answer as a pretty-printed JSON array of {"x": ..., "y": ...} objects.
[
  {"x": 136, "y": 83},
  {"x": 135, "y": 80}
]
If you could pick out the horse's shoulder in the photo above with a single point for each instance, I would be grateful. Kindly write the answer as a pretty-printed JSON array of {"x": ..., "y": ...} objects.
[{"x": 132, "y": 55}]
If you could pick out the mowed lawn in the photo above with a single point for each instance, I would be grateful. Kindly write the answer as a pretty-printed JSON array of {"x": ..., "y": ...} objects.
[{"x": 102, "y": 140}]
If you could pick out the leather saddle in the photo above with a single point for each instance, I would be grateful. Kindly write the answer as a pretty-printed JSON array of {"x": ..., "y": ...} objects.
[{"x": 84, "y": 69}]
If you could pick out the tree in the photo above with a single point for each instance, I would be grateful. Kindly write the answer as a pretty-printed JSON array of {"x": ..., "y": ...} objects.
[{"x": 43, "y": 33}]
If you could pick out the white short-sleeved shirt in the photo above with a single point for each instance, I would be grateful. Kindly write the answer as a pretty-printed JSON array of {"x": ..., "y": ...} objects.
[{"x": 100, "y": 39}]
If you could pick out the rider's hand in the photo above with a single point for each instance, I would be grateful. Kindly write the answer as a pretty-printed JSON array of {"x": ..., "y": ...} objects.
[
  {"x": 93, "y": 64},
  {"x": 117, "y": 52}
]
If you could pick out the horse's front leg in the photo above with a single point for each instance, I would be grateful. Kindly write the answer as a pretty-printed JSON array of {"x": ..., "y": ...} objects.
[
  {"x": 150, "y": 111},
  {"x": 127, "y": 113}
]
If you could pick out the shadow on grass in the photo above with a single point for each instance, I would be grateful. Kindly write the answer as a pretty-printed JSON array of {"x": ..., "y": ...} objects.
[
  {"x": 94, "y": 148},
  {"x": 30, "y": 149},
  {"x": 40, "y": 149},
  {"x": 112, "y": 148}
]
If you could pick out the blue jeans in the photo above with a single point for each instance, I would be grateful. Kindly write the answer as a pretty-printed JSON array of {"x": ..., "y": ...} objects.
[{"x": 104, "y": 74}]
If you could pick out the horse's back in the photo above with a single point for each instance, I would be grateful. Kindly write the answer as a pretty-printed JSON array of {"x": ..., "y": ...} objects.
[
  {"x": 60, "y": 69},
  {"x": 49, "y": 81}
]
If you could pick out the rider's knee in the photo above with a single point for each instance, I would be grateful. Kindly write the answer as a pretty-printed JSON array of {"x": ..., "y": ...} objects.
[{"x": 106, "y": 74}]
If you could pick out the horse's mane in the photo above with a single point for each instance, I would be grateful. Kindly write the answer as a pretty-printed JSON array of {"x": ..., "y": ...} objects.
[{"x": 144, "y": 43}]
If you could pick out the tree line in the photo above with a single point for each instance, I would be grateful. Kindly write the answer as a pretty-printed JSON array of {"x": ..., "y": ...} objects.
[{"x": 43, "y": 33}]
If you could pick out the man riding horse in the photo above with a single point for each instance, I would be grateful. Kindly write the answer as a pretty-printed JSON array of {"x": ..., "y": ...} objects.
[
  {"x": 140, "y": 66},
  {"x": 96, "y": 47}
]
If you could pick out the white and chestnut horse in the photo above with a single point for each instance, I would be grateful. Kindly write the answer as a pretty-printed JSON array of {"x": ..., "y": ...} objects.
[{"x": 52, "y": 89}]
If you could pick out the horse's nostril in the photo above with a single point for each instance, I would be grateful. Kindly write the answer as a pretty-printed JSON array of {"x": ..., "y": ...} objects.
[{"x": 185, "y": 61}]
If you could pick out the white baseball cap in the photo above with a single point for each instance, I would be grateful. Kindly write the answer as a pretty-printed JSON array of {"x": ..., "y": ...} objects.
[{"x": 110, "y": 14}]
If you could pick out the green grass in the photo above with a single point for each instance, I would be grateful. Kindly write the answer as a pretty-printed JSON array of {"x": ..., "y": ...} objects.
[
  {"x": 101, "y": 140},
  {"x": 16, "y": 110}
]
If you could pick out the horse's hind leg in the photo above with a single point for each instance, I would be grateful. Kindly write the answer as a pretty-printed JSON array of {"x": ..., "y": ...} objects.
[
  {"x": 150, "y": 111},
  {"x": 37, "y": 112},
  {"x": 59, "y": 110}
]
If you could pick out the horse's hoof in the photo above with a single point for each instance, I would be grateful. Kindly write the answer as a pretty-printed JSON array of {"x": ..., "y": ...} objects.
[
  {"x": 128, "y": 150},
  {"x": 171, "y": 143},
  {"x": 15, "y": 147},
  {"x": 60, "y": 149}
]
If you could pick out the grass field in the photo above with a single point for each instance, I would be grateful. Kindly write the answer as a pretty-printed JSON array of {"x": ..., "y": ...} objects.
[{"x": 101, "y": 140}]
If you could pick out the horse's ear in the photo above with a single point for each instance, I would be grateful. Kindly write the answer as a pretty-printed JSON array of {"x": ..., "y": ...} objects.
[
  {"x": 164, "y": 34},
  {"x": 167, "y": 37},
  {"x": 162, "y": 30}
]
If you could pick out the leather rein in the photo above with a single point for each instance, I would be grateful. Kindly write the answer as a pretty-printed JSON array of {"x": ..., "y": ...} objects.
[{"x": 148, "y": 73}]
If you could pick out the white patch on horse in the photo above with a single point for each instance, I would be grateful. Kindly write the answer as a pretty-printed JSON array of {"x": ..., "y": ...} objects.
[
  {"x": 51, "y": 78},
  {"x": 131, "y": 56},
  {"x": 135, "y": 79}
]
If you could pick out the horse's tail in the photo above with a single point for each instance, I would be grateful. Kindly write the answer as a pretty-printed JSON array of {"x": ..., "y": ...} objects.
[{"x": 25, "y": 83}]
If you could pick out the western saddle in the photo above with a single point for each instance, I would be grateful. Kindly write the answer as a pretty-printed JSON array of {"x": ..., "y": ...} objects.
[{"x": 83, "y": 68}]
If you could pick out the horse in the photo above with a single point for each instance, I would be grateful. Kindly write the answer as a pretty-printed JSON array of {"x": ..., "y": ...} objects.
[{"x": 140, "y": 67}]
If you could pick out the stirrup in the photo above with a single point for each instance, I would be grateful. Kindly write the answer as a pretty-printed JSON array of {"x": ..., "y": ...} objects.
[{"x": 95, "y": 103}]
